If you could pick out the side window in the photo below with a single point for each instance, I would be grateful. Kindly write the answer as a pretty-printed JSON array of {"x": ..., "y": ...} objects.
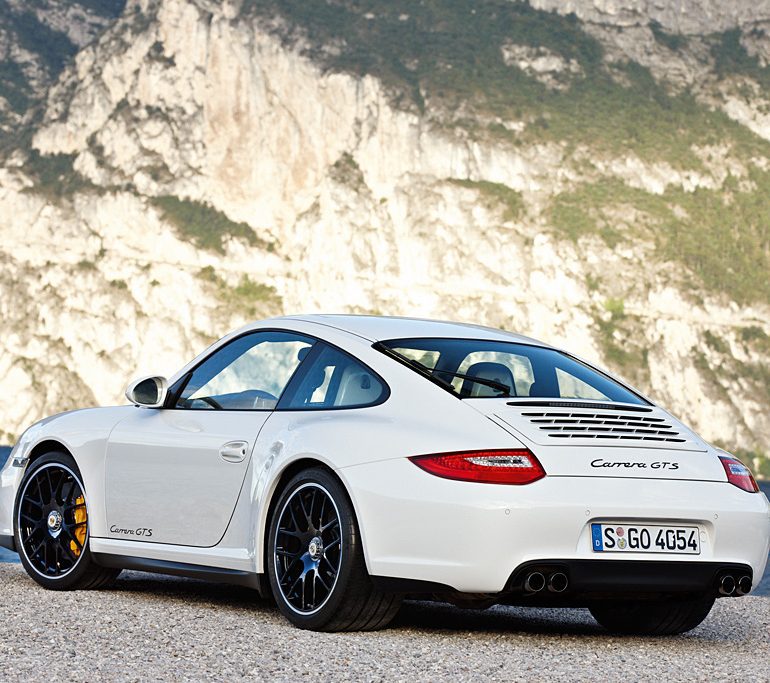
[
  {"x": 334, "y": 379},
  {"x": 249, "y": 373}
]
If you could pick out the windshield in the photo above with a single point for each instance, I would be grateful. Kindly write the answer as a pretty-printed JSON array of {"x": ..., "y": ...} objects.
[{"x": 476, "y": 368}]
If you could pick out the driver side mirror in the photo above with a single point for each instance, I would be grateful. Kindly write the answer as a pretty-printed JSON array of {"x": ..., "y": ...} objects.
[{"x": 148, "y": 392}]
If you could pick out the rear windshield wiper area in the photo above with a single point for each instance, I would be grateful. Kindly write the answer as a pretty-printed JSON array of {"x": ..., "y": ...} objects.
[
  {"x": 431, "y": 374},
  {"x": 504, "y": 389}
]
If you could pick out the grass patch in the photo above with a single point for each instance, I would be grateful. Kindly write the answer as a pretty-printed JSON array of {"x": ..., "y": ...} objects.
[
  {"x": 722, "y": 237},
  {"x": 84, "y": 265},
  {"x": 248, "y": 298},
  {"x": 756, "y": 339},
  {"x": 617, "y": 331},
  {"x": 496, "y": 194},
  {"x": 203, "y": 225},
  {"x": 716, "y": 343}
]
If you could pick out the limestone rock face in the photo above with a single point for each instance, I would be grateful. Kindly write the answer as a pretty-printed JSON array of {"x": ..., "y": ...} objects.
[
  {"x": 194, "y": 168},
  {"x": 679, "y": 16}
]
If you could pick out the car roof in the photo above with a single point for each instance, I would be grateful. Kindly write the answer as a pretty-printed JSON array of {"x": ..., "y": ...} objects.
[{"x": 381, "y": 328}]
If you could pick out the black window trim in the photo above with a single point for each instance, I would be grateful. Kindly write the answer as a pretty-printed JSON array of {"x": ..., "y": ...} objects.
[
  {"x": 383, "y": 347},
  {"x": 176, "y": 389}
]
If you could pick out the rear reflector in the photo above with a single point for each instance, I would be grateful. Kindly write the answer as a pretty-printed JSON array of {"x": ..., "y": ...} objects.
[
  {"x": 486, "y": 467},
  {"x": 738, "y": 474}
]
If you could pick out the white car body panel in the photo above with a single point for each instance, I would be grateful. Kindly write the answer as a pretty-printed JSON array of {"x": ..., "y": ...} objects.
[
  {"x": 161, "y": 469},
  {"x": 166, "y": 481},
  {"x": 470, "y": 536}
]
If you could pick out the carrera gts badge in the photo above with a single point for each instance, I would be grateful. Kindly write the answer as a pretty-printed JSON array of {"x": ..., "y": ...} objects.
[{"x": 140, "y": 531}]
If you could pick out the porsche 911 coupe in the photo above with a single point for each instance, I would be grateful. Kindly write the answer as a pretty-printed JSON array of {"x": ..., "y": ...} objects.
[{"x": 342, "y": 463}]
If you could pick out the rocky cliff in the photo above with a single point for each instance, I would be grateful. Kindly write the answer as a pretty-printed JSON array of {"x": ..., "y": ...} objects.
[{"x": 592, "y": 173}]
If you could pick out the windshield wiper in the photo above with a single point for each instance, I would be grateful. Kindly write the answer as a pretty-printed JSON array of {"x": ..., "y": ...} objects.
[
  {"x": 497, "y": 386},
  {"x": 431, "y": 374}
]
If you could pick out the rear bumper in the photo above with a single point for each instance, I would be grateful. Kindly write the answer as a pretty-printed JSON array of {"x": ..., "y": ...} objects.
[
  {"x": 589, "y": 581},
  {"x": 471, "y": 537}
]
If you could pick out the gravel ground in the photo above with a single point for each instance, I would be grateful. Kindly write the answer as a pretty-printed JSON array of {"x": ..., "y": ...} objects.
[{"x": 156, "y": 628}]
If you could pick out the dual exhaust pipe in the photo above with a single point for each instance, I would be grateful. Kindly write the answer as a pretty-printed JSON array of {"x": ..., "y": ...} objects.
[
  {"x": 735, "y": 585},
  {"x": 556, "y": 582}
]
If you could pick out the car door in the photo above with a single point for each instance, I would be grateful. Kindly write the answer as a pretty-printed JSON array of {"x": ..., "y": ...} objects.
[{"x": 173, "y": 475}]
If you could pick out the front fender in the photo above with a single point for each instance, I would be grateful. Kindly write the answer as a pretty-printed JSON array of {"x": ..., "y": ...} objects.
[{"x": 81, "y": 433}]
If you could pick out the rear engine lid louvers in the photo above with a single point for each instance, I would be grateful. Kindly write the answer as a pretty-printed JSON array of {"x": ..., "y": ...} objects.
[{"x": 564, "y": 423}]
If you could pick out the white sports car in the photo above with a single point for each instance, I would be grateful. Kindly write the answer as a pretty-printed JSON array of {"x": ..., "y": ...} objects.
[{"x": 340, "y": 463}]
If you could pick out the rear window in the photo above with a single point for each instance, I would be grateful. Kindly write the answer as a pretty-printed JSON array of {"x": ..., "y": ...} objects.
[{"x": 473, "y": 368}]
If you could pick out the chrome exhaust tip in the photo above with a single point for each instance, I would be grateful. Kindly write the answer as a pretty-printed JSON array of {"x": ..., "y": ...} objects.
[
  {"x": 744, "y": 585},
  {"x": 558, "y": 582},
  {"x": 727, "y": 585},
  {"x": 534, "y": 583}
]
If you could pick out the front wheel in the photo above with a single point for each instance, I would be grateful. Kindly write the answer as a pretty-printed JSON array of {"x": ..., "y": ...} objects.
[
  {"x": 315, "y": 560},
  {"x": 52, "y": 527},
  {"x": 652, "y": 618}
]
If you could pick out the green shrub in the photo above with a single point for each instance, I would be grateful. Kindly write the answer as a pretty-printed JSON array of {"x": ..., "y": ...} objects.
[
  {"x": 496, "y": 194},
  {"x": 672, "y": 41},
  {"x": 730, "y": 57},
  {"x": 445, "y": 56},
  {"x": 716, "y": 343},
  {"x": 248, "y": 298},
  {"x": 54, "y": 175},
  {"x": 203, "y": 225},
  {"x": 722, "y": 238},
  {"x": 346, "y": 171},
  {"x": 86, "y": 265}
]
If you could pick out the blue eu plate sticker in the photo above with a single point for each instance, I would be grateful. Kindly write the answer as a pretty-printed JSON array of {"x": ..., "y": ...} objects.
[{"x": 596, "y": 535}]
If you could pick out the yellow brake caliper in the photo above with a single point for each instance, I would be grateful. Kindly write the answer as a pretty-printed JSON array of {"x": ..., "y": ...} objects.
[{"x": 81, "y": 516}]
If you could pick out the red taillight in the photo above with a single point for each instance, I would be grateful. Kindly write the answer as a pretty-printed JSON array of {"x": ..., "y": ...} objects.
[
  {"x": 486, "y": 467},
  {"x": 738, "y": 474}
]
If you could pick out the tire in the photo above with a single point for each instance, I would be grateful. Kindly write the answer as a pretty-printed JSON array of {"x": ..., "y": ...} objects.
[
  {"x": 652, "y": 618},
  {"x": 51, "y": 527},
  {"x": 317, "y": 571}
]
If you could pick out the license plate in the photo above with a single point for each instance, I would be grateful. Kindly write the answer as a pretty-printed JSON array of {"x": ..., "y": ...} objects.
[{"x": 645, "y": 538}]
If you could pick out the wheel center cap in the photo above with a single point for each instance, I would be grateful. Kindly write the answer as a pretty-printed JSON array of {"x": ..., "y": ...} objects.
[
  {"x": 54, "y": 521},
  {"x": 316, "y": 549}
]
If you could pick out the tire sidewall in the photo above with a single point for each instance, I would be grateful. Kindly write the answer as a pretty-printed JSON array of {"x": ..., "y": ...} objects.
[
  {"x": 351, "y": 550},
  {"x": 73, "y": 577}
]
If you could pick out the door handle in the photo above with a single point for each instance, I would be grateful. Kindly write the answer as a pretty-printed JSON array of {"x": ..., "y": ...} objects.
[{"x": 234, "y": 451}]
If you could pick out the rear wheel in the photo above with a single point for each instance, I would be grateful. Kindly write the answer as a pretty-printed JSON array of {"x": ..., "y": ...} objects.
[
  {"x": 52, "y": 527},
  {"x": 652, "y": 618},
  {"x": 316, "y": 563}
]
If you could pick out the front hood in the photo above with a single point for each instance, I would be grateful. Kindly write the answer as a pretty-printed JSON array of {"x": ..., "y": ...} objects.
[{"x": 579, "y": 438}]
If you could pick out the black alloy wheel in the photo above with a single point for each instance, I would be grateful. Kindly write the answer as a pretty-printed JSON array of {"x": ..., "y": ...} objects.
[
  {"x": 52, "y": 528},
  {"x": 315, "y": 559},
  {"x": 53, "y": 521},
  {"x": 308, "y": 548}
]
